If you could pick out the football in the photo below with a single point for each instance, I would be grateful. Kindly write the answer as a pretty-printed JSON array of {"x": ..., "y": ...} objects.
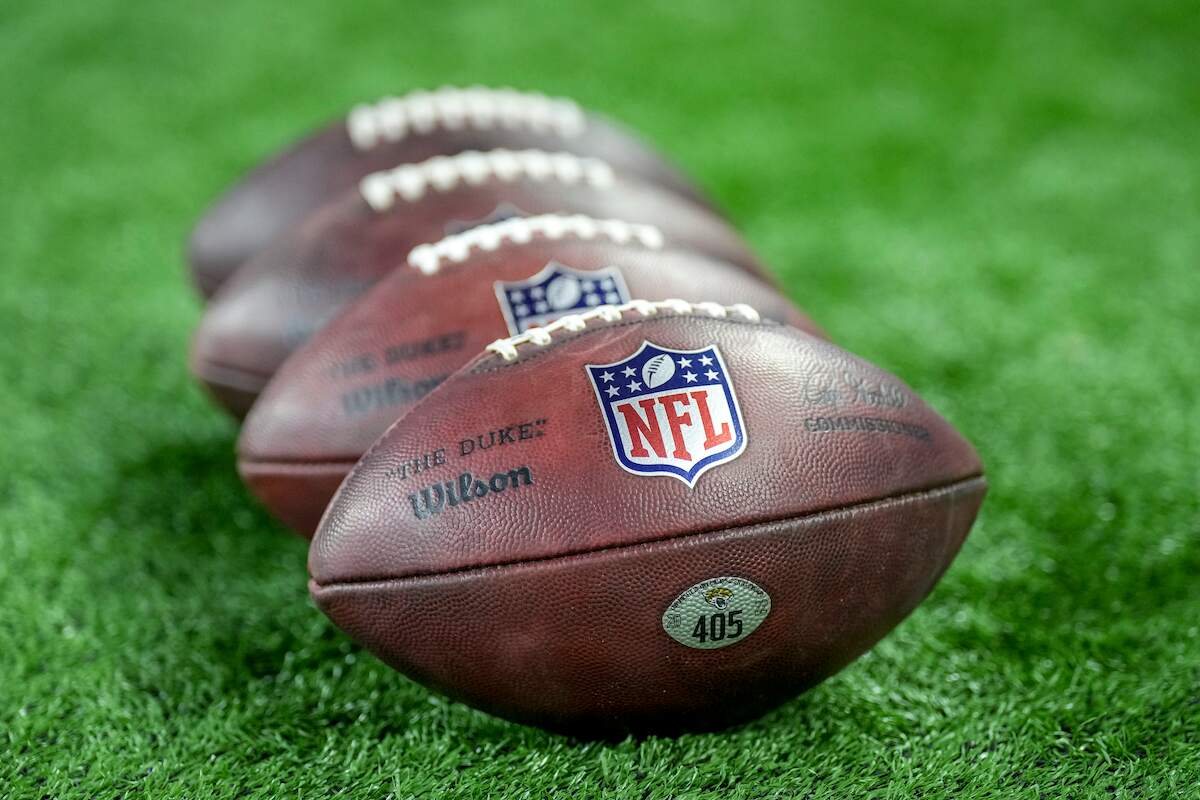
[
  {"x": 571, "y": 534},
  {"x": 399, "y": 130},
  {"x": 339, "y": 392},
  {"x": 290, "y": 289}
]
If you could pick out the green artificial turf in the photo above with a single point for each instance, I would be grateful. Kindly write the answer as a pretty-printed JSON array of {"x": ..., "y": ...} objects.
[{"x": 999, "y": 203}]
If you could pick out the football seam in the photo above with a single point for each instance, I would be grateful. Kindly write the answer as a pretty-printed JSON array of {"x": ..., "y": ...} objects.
[
  {"x": 298, "y": 464},
  {"x": 225, "y": 366},
  {"x": 899, "y": 499}
]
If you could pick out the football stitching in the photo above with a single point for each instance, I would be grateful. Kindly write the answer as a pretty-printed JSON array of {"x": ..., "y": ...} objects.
[
  {"x": 507, "y": 349},
  {"x": 849, "y": 510},
  {"x": 411, "y": 182},
  {"x": 429, "y": 258},
  {"x": 297, "y": 465},
  {"x": 394, "y": 118},
  {"x": 476, "y": 367}
]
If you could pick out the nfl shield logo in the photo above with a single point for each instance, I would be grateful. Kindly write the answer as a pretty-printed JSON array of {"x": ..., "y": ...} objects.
[
  {"x": 555, "y": 292},
  {"x": 670, "y": 412}
]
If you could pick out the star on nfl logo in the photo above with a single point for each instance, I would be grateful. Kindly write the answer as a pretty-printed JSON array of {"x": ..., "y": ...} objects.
[
  {"x": 670, "y": 412},
  {"x": 555, "y": 292}
]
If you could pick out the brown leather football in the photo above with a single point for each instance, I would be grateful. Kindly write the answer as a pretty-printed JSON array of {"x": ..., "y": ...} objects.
[
  {"x": 338, "y": 393},
  {"x": 292, "y": 288},
  {"x": 655, "y": 517},
  {"x": 399, "y": 130}
]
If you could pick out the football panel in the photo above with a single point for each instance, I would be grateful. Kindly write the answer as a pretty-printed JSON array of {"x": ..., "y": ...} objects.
[
  {"x": 805, "y": 427},
  {"x": 581, "y": 644}
]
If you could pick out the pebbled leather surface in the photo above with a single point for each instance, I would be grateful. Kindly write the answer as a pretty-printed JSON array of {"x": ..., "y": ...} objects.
[
  {"x": 544, "y": 604},
  {"x": 345, "y": 387},
  {"x": 285, "y": 189},
  {"x": 295, "y": 286}
]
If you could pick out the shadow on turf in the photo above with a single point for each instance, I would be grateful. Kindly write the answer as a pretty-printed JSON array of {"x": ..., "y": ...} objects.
[
  {"x": 189, "y": 494},
  {"x": 211, "y": 565}
]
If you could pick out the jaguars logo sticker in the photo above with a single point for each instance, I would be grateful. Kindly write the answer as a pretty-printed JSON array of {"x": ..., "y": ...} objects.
[
  {"x": 716, "y": 613},
  {"x": 718, "y": 597}
]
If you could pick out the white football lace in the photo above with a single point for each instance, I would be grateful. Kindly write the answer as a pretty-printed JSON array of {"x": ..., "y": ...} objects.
[
  {"x": 507, "y": 348},
  {"x": 393, "y": 118},
  {"x": 444, "y": 173},
  {"x": 429, "y": 258}
]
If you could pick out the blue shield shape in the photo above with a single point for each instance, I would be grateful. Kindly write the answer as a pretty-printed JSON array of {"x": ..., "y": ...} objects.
[
  {"x": 670, "y": 412},
  {"x": 556, "y": 291}
]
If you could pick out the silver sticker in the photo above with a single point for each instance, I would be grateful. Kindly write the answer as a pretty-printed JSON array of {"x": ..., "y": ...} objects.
[{"x": 716, "y": 613}]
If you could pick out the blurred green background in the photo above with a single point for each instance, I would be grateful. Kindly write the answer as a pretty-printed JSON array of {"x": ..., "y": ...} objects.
[{"x": 998, "y": 203}]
